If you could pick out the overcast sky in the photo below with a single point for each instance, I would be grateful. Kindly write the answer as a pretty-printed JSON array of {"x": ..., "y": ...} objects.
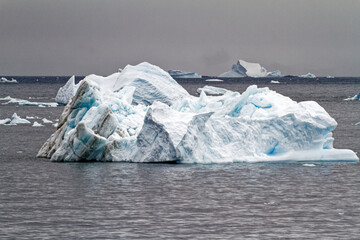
[{"x": 59, "y": 37}]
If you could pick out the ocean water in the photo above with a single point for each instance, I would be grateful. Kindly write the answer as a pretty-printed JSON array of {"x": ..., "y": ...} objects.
[{"x": 44, "y": 200}]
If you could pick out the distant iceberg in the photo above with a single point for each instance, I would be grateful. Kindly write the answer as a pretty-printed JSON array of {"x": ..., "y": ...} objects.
[
  {"x": 330, "y": 76},
  {"x": 210, "y": 90},
  {"x": 274, "y": 74},
  {"x": 308, "y": 75},
  {"x": 245, "y": 69},
  {"x": 213, "y": 80},
  {"x": 66, "y": 92},
  {"x": 14, "y": 120},
  {"x": 5, "y": 80},
  {"x": 143, "y": 115},
  {"x": 354, "y": 98},
  {"x": 181, "y": 74}
]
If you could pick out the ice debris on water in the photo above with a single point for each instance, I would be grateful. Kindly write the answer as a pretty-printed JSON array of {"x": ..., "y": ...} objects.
[
  {"x": 210, "y": 90},
  {"x": 5, "y": 80},
  {"x": 36, "y": 124},
  {"x": 308, "y": 75},
  {"x": 143, "y": 115},
  {"x": 23, "y": 102},
  {"x": 14, "y": 120},
  {"x": 354, "y": 98},
  {"x": 274, "y": 81}
]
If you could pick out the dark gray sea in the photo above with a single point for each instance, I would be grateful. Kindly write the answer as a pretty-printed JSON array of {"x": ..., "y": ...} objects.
[{"x": 40, "y": 199}]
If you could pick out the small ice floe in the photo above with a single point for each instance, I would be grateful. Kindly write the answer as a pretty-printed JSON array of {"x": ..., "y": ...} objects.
[
  {"x": 4, "y": 80},
  {"x": 46, "y": 120},
  {"x": 56, "y": 125},
  {"x": 274, "y": 81},
  {"x": 214, "y": 80},
  {"x": 358, "y": 123},
  {"x": 36, "y": 124},
  {"x": 14, "y": 120},
  {"x": 29, "y": 117},
  {"x": 23, "y": 102},
  {"x": 309, "y": 165},
  {"x": 356, "y": 97},
  {"x": 330, "y": 76},
  {"x": 269, "y": 203},
  {"x": 210, "y": 90}
]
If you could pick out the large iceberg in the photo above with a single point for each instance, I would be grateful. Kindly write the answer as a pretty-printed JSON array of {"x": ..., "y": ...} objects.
[
  {"x": 245, "y": 69},
  {"x": 308, "y": 75},
  {"x": 182, "y": 74},
  {"x": 143, "y": 115}
]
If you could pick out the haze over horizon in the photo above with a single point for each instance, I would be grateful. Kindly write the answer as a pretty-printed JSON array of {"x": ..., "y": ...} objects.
[{"x": 82, "y": 37}]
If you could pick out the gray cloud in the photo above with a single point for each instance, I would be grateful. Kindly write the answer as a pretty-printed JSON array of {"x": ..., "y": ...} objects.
[{"x": 42, "y": 37}]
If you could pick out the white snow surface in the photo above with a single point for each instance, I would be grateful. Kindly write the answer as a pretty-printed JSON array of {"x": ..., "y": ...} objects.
[
  {"x": 14, "y": 120},
  {"x": 182, "y": 74},
  {"x": 211, "y": 90},
  {"x": 66, "y": 92},
  {"x": 308, "y": 75},
  {"x": 143, "y": 115},
  {"x": 245, "y": 69}
]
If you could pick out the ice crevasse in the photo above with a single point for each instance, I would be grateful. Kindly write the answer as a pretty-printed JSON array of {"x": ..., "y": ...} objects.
[{"x": 143, "y": 115}]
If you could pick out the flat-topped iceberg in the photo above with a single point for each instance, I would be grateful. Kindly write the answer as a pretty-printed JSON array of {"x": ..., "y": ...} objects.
[
  {"x": 143, "y": 115},
  {"x": 182, "y": 74},
  {"x": 245, "y": 69},
  {"x": 308, "y": 75}
]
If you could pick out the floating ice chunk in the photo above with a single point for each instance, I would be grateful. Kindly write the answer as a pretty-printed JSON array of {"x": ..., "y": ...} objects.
[
  {"x": 23, "y": 102},
  {"x": 309, "y": 165},
  {"x": 245, "y": 69},
  {"x": 14, "y": 120},
  {"x": 56, "y": 125},
  {"x": 356, "y": 97},
  {"x": 358, "y": 123},
  {"x": 66, "y": 92},
  {"x": 210, "y": 90},
  {"x": 276, "y": 73},
  {"x": 4, "y": 80},
  {"x": 214, "y": 80},
  {"x": 46, "y": 120},
  {"x": 119, "y": 120},
  {"x": 29, "y": 117},
  {"x": 274, "y": 81},
  {"x": 330, "y": 76},
  {"x": 36, "y": 124},
  {"x": 181, "y": 74},
  {"x": 308, "y": 75}
]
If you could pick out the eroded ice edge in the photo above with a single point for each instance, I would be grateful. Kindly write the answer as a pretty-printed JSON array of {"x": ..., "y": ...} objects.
[{"x": 142, "y": 114}]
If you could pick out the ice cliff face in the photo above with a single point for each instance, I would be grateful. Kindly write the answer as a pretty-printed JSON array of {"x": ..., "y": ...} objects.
[
  {"x": 181, "y": 74},
  {"x": 245, "y": 69},
  {"x": 143, "y": 115},
  {"x": 66, "y": 92}
]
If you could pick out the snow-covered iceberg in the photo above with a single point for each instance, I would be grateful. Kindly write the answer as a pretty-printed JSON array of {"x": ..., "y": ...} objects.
[
  {"x": 143, "y": 115},
  {"x": 245, "y": 69},
  {"x": 14, "y": 120},
  {"x": 276, "y": 73},
  {"x": 182, "y": 74},
  {"x": 308, "y": 75},
  {"x": 5, "y": 80},
  {"x": 66, "y": 92},
  {"x": 210, "y": 90},
  {"x": 356, "y": 97}
]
